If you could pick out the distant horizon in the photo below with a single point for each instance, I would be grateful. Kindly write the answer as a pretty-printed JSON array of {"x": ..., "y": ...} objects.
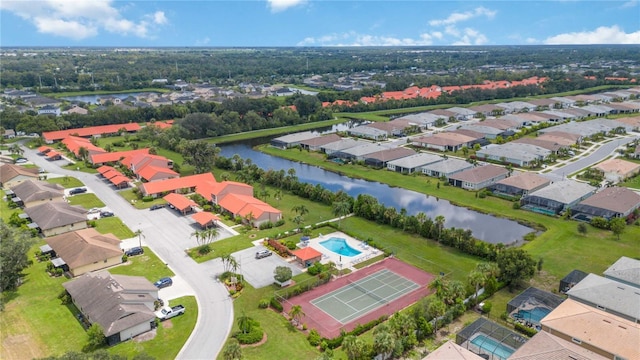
[{"x": 316, "y": 23}]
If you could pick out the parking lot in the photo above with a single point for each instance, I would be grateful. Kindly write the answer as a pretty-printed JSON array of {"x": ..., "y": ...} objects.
[{"x": 259, "y": 272}]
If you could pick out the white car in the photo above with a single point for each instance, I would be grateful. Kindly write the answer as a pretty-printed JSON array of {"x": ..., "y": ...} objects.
[{"x": 94, "y": 211}]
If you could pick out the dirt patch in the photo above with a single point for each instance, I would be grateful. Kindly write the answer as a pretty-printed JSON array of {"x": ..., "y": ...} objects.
[
  {"x": 264, "y": 340},
  {"x": 149, "y": 335},
  {"x": 167, "y": 324},
  {"x": 19, "y": 347}
]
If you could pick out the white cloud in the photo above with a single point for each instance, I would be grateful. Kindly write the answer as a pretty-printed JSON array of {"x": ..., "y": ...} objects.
[
  {"x": 471, "y": 37},
  {"x": 601, "y": 35},
  {"x": 281, "y": 5},
  {"x": 629, "y": 4},
  {"x": 82, "y": 19},
  {"x": 457, "y": 17},
  {"x": 202, "y": 42},
  {"x": 355, "y": 39}
]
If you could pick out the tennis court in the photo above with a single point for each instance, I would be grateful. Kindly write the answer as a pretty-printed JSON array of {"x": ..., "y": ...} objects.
[
  {"x": 379, "y": 289},
  {"x": 362, "y": 296}
]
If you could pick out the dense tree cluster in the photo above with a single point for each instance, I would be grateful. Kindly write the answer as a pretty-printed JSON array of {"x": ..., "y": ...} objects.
[{"x": 14, "y": 245}]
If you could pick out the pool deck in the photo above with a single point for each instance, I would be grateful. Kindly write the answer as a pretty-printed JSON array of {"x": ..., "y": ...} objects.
[{"x": 343, "y": 262}]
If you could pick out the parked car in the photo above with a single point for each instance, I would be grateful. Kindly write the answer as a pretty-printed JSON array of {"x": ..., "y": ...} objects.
[
  {"x": 21, "y": 160},
  {"x": 94, "y": 210},
  {"x": 263, "y": 254},
  {"x": 42, "y": 171},
  {"x": 77, "y": 191},
  {"x": 163, "y": 283},
  {"x": 157, "y": 206},
  {"x": 134, "y": 251},
  {"x": 104, "y": 214}
]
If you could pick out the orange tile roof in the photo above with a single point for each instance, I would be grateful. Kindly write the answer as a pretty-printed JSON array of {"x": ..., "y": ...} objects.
[
  {"x": 89, "y": 131},
  {"x": 51, "y": 154},
  {"x": 104, "y": 168},
  {"x": 111, "y": 174},
  {"x": 192, "y": 181},
  {"x": 149, "y": 172},
  {"x": 161, "y": 124},
  {"x": 181, "y": 202},
  {"x": 44, "y": 149},
  {"x": 115, "y": 156},
  {"x": 119, "y": 179},
  {"x": 74, "y": 143},
  {"x": 244, "y": 205},
  {"x": 307, "y": 253},
  {"x": 204, "y": 217}
]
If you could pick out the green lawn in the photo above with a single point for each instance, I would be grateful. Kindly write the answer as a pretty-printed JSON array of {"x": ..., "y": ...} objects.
[
  {"x": 87, "y": 201},
  {"x": 114, "y": 226},
  {"x": 35, "y": 324},
  {"x": 283, "y": 340},
  {"x": 147, "y": 265},
  {"x": 67, "y": 182},
  {"x": 131, "y": 198},
  {"x": 274, "y": 131}
]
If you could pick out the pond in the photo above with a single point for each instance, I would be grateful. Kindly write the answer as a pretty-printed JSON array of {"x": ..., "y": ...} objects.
[{"x": 484, "y": 227}]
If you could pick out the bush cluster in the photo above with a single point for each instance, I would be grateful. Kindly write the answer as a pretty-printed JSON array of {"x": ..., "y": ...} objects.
[
  {"x": 525, "y": 329},
  {"x": 275, "y": 304},
  {"x": 358, "y": 330}
]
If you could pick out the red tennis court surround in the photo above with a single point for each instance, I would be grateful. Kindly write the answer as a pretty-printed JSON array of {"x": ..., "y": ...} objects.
[{"x": 329, "y": 327}]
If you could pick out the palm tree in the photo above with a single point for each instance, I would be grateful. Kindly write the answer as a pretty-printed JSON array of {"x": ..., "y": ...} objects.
[
  {"x": 477, "y": 279},
  {"x": 198, "y": 235},
  {"x": 439, "y": 285},
  {"x": 341, "y": 209},
  {"x": 232, "y": 351},
  {"x": 439, "y": 220},
  {"x": 210, "y": 235},
  {"x": 83, "y": 153},
  {"x": 300, "y": 209},
  {"x": 245, "y": 323},
  {"x": 436, "y": 309},
  {"x": 16, "y": 149},
  {"x": 277, "y": 195},
  {"x": 383, "y": 341},
  {"x": 353, "y": 347},
  {"x": 298, "y": 220},
  {"x": 296, "y": 313},
  {"x": 139, "y": 234}
]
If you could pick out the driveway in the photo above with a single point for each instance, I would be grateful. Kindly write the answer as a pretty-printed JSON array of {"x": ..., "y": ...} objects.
[
  {"x": 179, "y": 288},
  {"x": 168, "y": 236},
  {"x": 259, "y": 272},
  {"x": 599, "y": 154}
]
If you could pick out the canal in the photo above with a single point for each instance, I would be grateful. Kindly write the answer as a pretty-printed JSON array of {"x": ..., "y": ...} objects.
[{"x": 484, "y": 227}]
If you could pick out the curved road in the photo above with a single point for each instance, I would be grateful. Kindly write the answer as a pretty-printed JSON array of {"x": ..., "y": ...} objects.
[
  {"x": 600, "y": 153},
  {"x": 215, "y": 308}
]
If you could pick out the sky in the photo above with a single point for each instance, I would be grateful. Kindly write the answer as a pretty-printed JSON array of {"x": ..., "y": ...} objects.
[{"x": 275, "y": 23}]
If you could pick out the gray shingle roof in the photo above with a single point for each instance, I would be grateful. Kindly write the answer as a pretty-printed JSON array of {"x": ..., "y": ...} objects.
[
  {"x": 116, "y": 302},
  {"x": 448, "y": 166},
  {"x": 54, "y": 214},
  {"x": 564, "y": 192},
  {"x": 609, "y": 294},
  {"x": 480, "y": 174},
  {"x": 84, "y": 247},
  {"x": 615, "y": 199},
  {"x": 416, "y": 160},
  {"x": 625, "y": 269},
  {"x": 11, "y": 171},
  {"x": 30, "y": 190}
]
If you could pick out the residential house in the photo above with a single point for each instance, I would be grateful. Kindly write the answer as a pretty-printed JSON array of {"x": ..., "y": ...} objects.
[
  {"x": 380, "y": 159},
  {"x": 446, "y": 168},
  {"x": 250, "y": 209},
  {"x": 609, "y": 203},
  {"x": 316, "y": 143},
  {"x": 96, "y": 131},
  {"x": 462, "y": 113},
  {"x": 183, "y": 185},
  {"x": 122, "y": 305},
  {"x": 423, "y": 120},
  {"x": 57, "y": 217},
  {"x": 452, "y": 351},
  {"x": 501, "y": 124},
  {"x": 367, "y": 132},
  {"x": 554, "y": 145},
  {"x": 557, "y": 197},
  {"x": 86, "y": 250},
  {"x": 292, "y": 140},
  {"x": 520, "y": 184},
  {"x": 12, "y": 175},
  {"x": 545, "y": 346},
  {"x": 152, "y": 167},
  {"x": 9, "y": 134},
  {"x": 445, "y": 141},
  {"x": 397, "y": 127},
  {"x": 445, "y": 114},
  {"x": 75, "y": 144},
  {"x": 479, "y": 177},
  {"x": 413, "y": 163},
  {"x": 616, "y": 170},
  {"x": 594, "y": 330},
  {"x": 488, "y": 132},
  {"x": 33, "y": 192},
  {"x": 607, "y": 295},
  {"x": 544, "y": 104},
  {"x": 517, "y": 107},
  {"x": 115, "y": 156},
  {"x": 75, "y": 109},
  {"x": 625, "y": 270},
  {"x": 358, "y": 153},
  {"x": 487, "y": 110},
  {"x": 340, "y": 145},
  {"x": 519, "y": 154},
  {"x": 49, "y": 110},
  {"x": 633, "y": 121}
]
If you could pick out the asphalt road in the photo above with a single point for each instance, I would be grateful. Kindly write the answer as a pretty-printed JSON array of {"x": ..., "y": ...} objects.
[
  {"x": 166, "y": 234},
  {"x": 596, "y": 156}
]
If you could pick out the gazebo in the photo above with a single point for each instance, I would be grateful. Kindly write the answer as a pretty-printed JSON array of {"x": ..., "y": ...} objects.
[
  {"x": 205, "y": 219},
  {"x": 307, "y": 256}
]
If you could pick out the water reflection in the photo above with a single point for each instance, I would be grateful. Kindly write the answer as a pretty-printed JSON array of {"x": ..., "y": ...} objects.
[{"x": 484, "y": 227}]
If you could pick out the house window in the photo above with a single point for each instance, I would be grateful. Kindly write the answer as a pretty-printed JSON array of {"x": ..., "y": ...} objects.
[
  {"x": 577, "y": 341},
  {"x": 616, "y": 357}
]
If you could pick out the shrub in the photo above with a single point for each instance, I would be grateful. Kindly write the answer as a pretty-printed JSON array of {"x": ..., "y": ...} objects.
[
  {"x": 280, "y": 222},
  {"x": 204, "y": 249},
  {"x": 291, "y": 244},
  {"x": 207, "y": 207},
  {"x": 266, "y": 225},
  {"x": 525, "y": 330},
  {"x": 314, "y": 338},
  {"x": 516, "y": 205},
  {"x": 315, "y": 269},
  {"x": 59, "y": 272},
  {"x": 252, "y": 337},
  {"x": 124, "y": 258},
  {"x": 264, "y": 303},
  {"x": 64, "y": 297},
  {"x": 92, "y": 223},
  {"x": 147, "y": 198},
  {"x": 275, "y": 304}
]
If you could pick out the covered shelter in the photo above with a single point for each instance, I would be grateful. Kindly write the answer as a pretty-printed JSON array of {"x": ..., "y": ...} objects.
[
  {"x": 485, "y": 337},
  {"x": 307, "y": 256},
  {"x": 205, "y": 219},
  {"x": 533, "y": 300},
  {"x": 180, "y": 202}
]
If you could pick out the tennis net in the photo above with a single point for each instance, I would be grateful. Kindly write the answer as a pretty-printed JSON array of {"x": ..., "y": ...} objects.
[{"x": 367, "y": 292}]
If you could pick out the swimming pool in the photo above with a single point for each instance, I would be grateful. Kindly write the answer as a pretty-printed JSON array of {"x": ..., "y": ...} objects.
[
  {"x": 340, "y": 246},
  {"x": 492, "y": 346},
  {"x": 534, "y": 315}
]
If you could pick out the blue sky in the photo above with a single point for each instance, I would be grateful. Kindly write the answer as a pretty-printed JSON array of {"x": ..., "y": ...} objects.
[{"x": 147, "y": 23}]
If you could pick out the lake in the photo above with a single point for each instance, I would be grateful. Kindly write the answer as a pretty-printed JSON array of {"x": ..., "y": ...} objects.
[{"x": 484, "y": 227}]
